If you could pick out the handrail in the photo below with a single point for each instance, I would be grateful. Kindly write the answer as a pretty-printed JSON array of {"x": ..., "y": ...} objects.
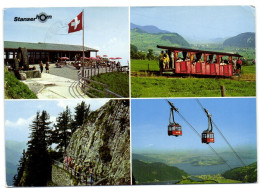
[
  {"x": 78, "y": 177},
  {"x": 107, "y": 91}
]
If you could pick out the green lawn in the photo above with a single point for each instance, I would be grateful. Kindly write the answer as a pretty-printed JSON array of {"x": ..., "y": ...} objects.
[
  {"x": 118, "y": 82},
  {"x": 189, "y": 87},
  {"x": 142, "y": 65}
]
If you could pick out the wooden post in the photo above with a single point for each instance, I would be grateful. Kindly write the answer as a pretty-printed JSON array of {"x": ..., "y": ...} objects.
[{"x": 223, "y": 91}]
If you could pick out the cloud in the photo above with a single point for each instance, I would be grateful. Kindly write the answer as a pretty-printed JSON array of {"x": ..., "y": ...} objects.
[
  {"x": 20, "y": 122},
  {"x": 69, "y": 103},
  {"x": 94, "y": 103}
]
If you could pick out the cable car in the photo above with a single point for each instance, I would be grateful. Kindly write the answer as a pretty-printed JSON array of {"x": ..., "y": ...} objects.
[
  {"x": 174, "y": 129},
  {"x": 207, "y": 136}
]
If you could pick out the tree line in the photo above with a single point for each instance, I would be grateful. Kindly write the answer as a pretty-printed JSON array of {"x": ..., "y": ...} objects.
[
  {"x": 136, "y": 54},
  {"x": 34, "y": 168}
]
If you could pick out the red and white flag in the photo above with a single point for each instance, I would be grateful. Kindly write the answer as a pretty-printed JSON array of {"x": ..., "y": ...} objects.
[{"x": 76, "y": 24}]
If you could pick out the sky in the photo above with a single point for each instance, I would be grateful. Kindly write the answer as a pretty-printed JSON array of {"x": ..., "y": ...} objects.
[
  {"x": 235, "y": 117},
  {"x": 106, "y": 28},
  {"x": 19, "y": 114},
  {"x": 197, "y": 22}
]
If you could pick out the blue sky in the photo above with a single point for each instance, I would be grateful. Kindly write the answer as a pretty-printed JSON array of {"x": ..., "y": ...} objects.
[
  {"x": 198, "y": 22},
  {"x": 235, "y": 117},
  {"x": 106, "y": 28},
  {"x": 20, "y": 113}
]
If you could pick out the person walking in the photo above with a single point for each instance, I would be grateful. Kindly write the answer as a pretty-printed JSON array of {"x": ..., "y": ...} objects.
[
  {"x": 239, "y": 65},
  {"x": 41, "y": 66},
  {"x": 47, "y": 67},
  {"x": 91, "y": 178}
]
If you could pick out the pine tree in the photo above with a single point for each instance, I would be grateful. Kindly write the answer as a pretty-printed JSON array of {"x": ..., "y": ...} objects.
[
  {"x": 38, "y": 166},
  {"x": 20, "y": 170},
  {"x": 82, "y": 111},
  {"x": 62, "y": 130}
]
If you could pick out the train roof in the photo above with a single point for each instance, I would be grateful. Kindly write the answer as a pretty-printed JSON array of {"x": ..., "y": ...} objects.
[{"x": 171, "y": 48}]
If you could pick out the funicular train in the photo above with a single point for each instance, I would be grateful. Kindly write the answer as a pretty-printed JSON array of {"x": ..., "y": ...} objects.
[{"x": 200, "y": 62}]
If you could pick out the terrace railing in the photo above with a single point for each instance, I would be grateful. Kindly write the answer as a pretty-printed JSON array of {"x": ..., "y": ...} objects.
[{"x": 87, "y": 86}]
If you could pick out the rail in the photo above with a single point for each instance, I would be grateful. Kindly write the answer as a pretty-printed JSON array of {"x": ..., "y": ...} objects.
[
  {"x": 81, "y": 177},
  {"x": 85, "y": 83}
]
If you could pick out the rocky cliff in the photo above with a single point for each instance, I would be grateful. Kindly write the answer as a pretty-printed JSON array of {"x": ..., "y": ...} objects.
[{"x": 103, "y": 141}]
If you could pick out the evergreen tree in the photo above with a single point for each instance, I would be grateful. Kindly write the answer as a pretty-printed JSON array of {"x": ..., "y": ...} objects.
[
  {"x": 20, "y": 170},
  {"x": 62, "y": 130},
  {"x": 82, "y": 111},
  {"x": 38, "y": 165}
]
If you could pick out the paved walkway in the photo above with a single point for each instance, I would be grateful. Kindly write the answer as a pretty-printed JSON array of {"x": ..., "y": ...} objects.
[{"x": 54, "y": 87}]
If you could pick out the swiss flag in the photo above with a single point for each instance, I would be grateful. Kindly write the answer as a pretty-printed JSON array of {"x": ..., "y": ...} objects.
[{"x": 76, "y": 24}]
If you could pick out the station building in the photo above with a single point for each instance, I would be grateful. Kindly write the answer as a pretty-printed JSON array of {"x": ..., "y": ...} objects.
[{"x": 44, "y": 51}]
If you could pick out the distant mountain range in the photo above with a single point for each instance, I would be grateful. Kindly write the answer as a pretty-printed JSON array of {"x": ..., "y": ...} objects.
[
  {"x": 152, "y": 172},
  {"x": 13, "y": 153},
  {"x": 243, "y": 40},
  {"x": 148, "y": 29},
  {"x": 148, "y": 37}
]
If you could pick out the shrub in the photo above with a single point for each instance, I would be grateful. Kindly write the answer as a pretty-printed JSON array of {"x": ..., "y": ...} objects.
[{"x": 14, "y": 89}]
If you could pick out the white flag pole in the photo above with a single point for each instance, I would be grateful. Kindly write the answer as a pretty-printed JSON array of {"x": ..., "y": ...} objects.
[{"x": 83, "y": 54}]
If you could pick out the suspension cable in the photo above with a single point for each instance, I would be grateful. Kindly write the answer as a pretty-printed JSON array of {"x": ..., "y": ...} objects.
[
  {"x": 240, "y": 160},
  {"x": 198, "y": 134},
  {"x": 200, "y": 137}
]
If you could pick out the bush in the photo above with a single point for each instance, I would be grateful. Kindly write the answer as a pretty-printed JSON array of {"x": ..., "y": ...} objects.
[{"x": 14, "y": 89}]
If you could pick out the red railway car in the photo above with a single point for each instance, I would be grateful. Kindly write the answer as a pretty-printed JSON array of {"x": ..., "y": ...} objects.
[
  {"x": 199, "y": 62},
  {"x": 174, "y": 130}
]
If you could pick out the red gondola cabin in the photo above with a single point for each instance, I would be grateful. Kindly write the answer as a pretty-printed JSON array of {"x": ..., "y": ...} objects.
[
  {"x": 207, "y": 137},
  {"x": 174, "y": 130}
]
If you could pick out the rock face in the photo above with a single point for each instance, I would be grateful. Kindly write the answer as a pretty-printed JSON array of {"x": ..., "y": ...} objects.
[{"x": 103, "y": 141}]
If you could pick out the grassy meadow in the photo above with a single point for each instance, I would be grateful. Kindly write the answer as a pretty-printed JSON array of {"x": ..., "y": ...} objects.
[
  {"x": 118, "y": 83},
  {"x": 146, "y": 83}
]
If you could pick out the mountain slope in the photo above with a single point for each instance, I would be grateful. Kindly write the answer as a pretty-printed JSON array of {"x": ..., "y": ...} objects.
[
  {"x": 150, "y": 172},
  {"x": 246, "y": 174},
  {"x": 144, "y": 41},
  {"x": 148, "y": 28},
  {"x": 13, "y": 152},
  {"x": 243, "y": 40},
  {"x": 104, "y": 142}
]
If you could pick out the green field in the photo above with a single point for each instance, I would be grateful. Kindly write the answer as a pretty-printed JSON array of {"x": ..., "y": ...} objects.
[
  {"x": 117, "y": 82},
  {"x": 207, "y": 179},
  {"x": 146, "y": 83}
]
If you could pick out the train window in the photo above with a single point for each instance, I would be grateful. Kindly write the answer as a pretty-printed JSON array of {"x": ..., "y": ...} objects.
[
  {"x": 170, "y": 128},
  {"x": 173, "y": 128}
]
